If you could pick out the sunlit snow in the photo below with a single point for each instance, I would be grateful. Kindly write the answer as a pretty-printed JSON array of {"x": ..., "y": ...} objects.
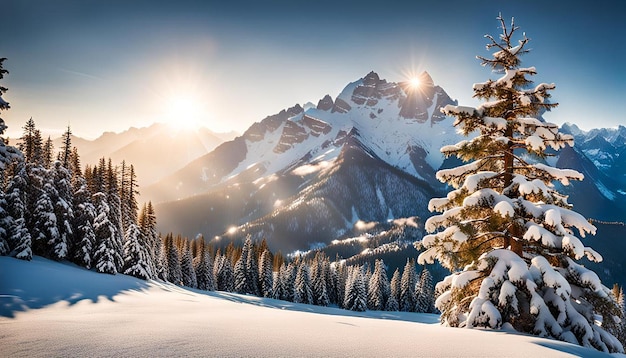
[{"x": 54, "y": 309}]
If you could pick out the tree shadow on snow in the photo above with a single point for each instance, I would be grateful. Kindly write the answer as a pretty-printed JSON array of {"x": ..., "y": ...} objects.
[
  {"x": 577, "y": 351},
  {"x": 36, "y": 284},
  {"x": 290, "y": 306}
]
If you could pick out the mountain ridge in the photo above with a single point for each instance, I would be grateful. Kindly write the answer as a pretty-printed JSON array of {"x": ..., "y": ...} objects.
[{"x": 135, "y": 144}]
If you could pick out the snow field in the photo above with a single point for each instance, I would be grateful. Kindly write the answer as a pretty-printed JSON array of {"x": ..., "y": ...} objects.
[{"x": 52, "y": 309}]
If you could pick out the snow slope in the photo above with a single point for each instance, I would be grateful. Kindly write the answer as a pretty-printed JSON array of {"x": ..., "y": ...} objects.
[{"x": 52, "y": 309}]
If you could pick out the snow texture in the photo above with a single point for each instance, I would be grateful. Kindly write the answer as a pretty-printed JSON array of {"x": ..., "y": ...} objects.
[{"x": 54, "y": 309}]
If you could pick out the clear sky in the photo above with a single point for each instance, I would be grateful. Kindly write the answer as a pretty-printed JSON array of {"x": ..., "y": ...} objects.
[{"x": 108, "y": 65}]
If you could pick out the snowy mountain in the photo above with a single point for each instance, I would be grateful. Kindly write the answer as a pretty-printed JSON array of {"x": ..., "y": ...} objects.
[
  {"x": 155, "y": 151},
  {"x": 606, "y": 149},
  {"x": 302, "y": 178},
  {"x": 315, "y": 177}
]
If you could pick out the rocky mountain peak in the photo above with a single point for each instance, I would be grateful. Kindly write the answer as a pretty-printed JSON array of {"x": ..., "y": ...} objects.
[{"x": 325, "y": 103}]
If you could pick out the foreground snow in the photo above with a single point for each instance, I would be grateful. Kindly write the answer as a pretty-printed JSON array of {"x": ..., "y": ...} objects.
[{"x": 52, "y": 309}]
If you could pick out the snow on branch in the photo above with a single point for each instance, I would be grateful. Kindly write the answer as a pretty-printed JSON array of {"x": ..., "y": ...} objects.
[
  {"x": 510, "y": 75},
  {"x": 451, "y": 110},
  {"x": 433, "y": 222},
  {"x": 471, "y": 181},
  {"x": 526, "y": 187},
  {"x": 562, "y": 175},
  {"x": 481, "y": 109},
  {"x": 495, "y": 122},
  {"x": 535, "y": 232},
  {"x": 453, "y": 175}
]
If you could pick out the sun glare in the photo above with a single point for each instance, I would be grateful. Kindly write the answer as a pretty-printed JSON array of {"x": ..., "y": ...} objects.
[
  {"x": 415, "y": 82},
  {"x": 184, "y": 112}
]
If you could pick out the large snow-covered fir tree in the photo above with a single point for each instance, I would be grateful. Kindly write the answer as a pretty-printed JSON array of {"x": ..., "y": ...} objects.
[{"x": 510, "y": 238}]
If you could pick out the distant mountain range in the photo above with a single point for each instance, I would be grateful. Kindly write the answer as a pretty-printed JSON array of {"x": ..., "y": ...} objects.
[
  {"x": 351, "y": 175},
  {"x": 155, "y": 151}
]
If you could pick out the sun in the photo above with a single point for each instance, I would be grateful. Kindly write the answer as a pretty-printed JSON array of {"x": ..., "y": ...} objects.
[
  {"x": 415, "y": 82},
  {"x": 184, "y": 111}
]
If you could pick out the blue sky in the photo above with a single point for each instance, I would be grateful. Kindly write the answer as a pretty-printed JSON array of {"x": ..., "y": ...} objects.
[{"x": 108, "y": 65}]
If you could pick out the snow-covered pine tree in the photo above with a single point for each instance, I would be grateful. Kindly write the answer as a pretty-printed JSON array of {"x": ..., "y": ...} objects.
[
  {"x": 147, "y": 224},
  {"x": 115, "y": 212},
  {"x": 63, "y": 201},
  {"x": 505, "y": 226},
  {"x": 5, "y": 223},
  {"x": 122, "y": 184},
  {"x": 83, "y": 224},
  {"x": 356, "y": 292},
  {"x": 331, "y": 280},
  {"x": 303, "y": 292},
  {"x": 266, "y": 274},
  {"x": 407, "y": 287},
  {"x": 392, "y": 304},
  {"x": 319, "y": 280},
  {"x": 128, "y": 193},
  {"x": 379, "y": 289},
  {"x": 171, "y": 260},
  {"x": 7, "y": 153},
  {"x": 31, "y": 144},
  {"x": 65, "y": 153},
  {"x": 426, "y": 293},
  {"x": 289, "y": 281},
  {"x": 247, "y": 271},
  {"x": 223, "y": 273},
  {"x": 46, "y": 239},
  {"x": 48, "y": 153},
  {"x": 136, "y": 258},
  {"x": 203, "y": 266},
  {"x": 395, "y": 286},
  {"x": 621, "y": 330},
  {"x": 241, "y": 283},
  {"x": 104, "y": 250},
  {"x": 252, "y": 267},
  {"x": 18, "y": 235},
  {"x": 342, "y": 278},
  {"x": 5, "y": 161},
  {"x": 278, "y": 289},
  {"x": 186, "y": 265}
]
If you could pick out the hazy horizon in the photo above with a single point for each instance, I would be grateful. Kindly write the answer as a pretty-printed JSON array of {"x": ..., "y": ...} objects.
[{"x": 105, "y": 67}]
